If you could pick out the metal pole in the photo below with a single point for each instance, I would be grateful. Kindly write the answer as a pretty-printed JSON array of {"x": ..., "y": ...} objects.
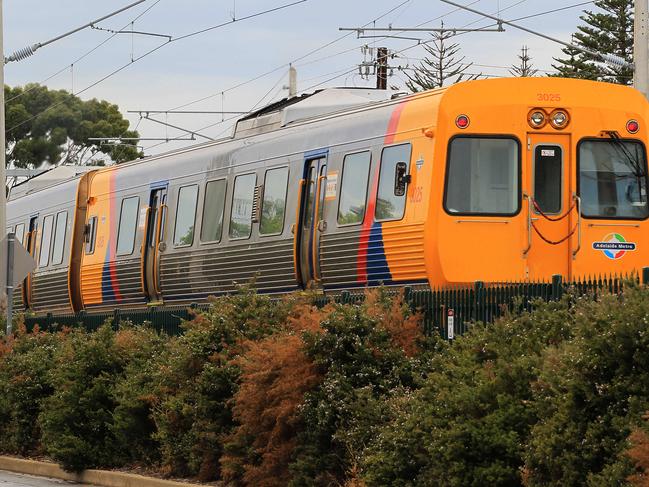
[
  {"x": 382, "y": 68},
  {"x": 292, "y": 82},
  {"x": 641, "y": 48},
  {"x": 3, "y": 177},
  {"x": 11, "y": 239}
]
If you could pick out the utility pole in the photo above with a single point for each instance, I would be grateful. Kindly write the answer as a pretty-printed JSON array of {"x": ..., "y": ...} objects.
[
  {"x": 382, "y": 68},
  {"x": 3, "y": 190},
  {"x": 641, "y": 48},
  {"x": 292, "y": 82}
]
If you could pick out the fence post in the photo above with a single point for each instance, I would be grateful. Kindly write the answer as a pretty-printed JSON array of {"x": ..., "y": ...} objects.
[
  {"x": 557, "y": 287},
  {"x": 645, "y": 276},
  {"x": 116, "y": 314},
  {"x": 478, "y": 301}
]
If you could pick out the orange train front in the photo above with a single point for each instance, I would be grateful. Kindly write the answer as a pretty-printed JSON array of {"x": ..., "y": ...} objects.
[{"x": 491, "y": 180}]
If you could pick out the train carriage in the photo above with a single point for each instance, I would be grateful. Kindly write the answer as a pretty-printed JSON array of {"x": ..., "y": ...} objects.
[{"x": 491, "y": 180}]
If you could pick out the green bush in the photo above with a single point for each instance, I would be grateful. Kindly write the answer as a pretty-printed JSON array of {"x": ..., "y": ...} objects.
[
  {"x": 364, "y": 363},
  {"x": 591, "y": 393},
  {"x": 197, "y": 378},
  {"x": 77, "y": 419},
  {"x": 468, "y": 424},
  {"x": 24, "y": 385}
]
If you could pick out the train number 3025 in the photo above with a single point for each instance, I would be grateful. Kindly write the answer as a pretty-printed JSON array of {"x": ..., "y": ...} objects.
[{"x": 548, "y": 97}]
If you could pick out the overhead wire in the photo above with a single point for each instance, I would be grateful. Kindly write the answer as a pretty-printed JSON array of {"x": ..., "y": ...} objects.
[{"x": 142, "y": 56}]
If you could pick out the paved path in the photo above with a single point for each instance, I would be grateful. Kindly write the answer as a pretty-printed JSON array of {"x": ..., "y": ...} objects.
[{"x": 18, "y": 480}]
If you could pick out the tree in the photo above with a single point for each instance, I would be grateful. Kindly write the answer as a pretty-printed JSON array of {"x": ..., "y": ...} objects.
[
  {"x": 525, "y": 69},
  {"x": 609, "y": 31},
  {"x": 441, "y": 66},
  {"x": 38, "y": 135}
]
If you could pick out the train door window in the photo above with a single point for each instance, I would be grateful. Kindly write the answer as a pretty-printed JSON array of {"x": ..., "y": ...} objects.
[
  {"x": 20, "y": 232},
  {"x": 127, "y": 225},
  {"x": 390, "y": 206},
  {"x": 274, "y": 201},
  {"x": 213, "y": 205},
  {"x": 59, "y": 237},
  {"x": 547, "y": 178},
  {"x": 483, "y": 176},
  {"x": 46, "y": 241},
  {"x": 186, "y": 216},
  {"x": 91, "y": 235},
  {"x": 353, "y": 189},
  {"x": 242, "y": 200},
  {"x": 613, "y": 179}
]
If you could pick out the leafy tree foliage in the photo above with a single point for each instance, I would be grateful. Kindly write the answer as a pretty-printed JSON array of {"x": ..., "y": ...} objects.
[
  {"x": 441, "y": 65},
  {"x": 608, "y": 31},
  {"x": 39, "y": 136}
]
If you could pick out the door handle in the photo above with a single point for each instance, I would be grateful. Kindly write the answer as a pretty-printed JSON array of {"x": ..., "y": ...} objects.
[
  {"x": 529, "y": 225},
  {"x": 576, "y": 251}
]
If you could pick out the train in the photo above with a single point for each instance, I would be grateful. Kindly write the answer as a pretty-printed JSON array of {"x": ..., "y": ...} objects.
[{"x": 498, "y": 180}]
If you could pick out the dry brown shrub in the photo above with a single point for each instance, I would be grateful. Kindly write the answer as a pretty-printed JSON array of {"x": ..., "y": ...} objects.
[
  {"x": 275, "y": 376},
  {"x": 393, "y": 314},
  {"x": 639, "y": 453}
]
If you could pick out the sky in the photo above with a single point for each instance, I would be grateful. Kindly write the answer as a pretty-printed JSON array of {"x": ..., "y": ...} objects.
[{"x": 223, "y": 67}]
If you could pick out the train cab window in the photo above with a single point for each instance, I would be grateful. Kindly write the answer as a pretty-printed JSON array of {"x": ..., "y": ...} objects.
[
  {"x": 389, "y": 204},
  {"x": 483, "y": 176},
  {"x": 274, "y": 201},
  {"x": 91, "y": 235},
  {"x": 59, "y": 237},
  {"x": 20, "y": 232},
  {"x": 613, "y": 179},
  {"x": 46, "y": 241},
  {"x": 127, "y": 225},
  {"x": 353, "y": 188},
  {"x": 242, "y": 201},
  {"x": 213, "y": 206},
  {"x": 548, "y": 160},
  {"x": 186, "y": 216}
]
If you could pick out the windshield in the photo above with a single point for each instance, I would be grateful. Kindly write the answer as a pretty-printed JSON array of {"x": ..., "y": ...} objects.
[{"x": 613, "y": 179}]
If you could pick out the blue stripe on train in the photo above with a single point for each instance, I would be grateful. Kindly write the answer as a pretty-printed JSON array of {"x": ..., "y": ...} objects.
[{"x": 378, "y": 270}]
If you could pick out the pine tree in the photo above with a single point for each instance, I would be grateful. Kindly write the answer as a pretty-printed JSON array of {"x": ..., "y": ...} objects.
[
  {"x": 609, "y": 31},
  {"x": 440, "y": 66},
  {"x": 525, "y": 69}
]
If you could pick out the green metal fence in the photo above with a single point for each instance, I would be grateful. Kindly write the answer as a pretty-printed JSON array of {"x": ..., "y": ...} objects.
[{"x": 448, "y": 311}]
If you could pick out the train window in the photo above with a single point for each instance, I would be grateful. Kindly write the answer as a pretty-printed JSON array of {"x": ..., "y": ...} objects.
[
  {"x": 483, "y": 176},
  {"x": 59, "y": 237},
  {"x": 46, "y": 241},
  {"x": 274, "y": 202},
  {"x": 91, "y": 235},
  {"x": 186, "y": 216},
  {"x": 20, "y": 232},
  {"x": 242, "y": 199},
  {"x": 353, "y": 189},
  {"x": 213, "y": 206},
  {"x": 390, "y": 206},
  {"x": 127, "y": 225},
  {"x": 547, "y": 178},
  {"x": 613, "y": 179}
]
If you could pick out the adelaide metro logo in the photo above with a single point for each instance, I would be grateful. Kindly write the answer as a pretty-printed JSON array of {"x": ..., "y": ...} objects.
[{"x": 614, "y": 246}]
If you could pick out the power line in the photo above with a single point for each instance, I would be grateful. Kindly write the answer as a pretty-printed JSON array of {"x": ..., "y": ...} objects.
[
  {"x": 133, "y": 61},
  {"x": 83, "y": 56}
]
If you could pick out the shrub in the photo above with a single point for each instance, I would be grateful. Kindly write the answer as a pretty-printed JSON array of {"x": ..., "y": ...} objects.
[
  {"x": 25, "y": 362},
  {"x": 77, "y": 419},
  {"x": 198, "y": 377}
]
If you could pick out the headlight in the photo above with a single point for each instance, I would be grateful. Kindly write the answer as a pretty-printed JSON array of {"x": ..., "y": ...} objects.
[
  {"x": 559, "y": 119},
  {"x": 537, "y": 119}
]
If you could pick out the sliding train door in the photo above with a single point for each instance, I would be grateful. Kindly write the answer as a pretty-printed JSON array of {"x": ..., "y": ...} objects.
[
  {"x": 551, "y": 206},
  {"x": 153, "y": 236},
  {"x": 309, "y": 222},
  {"x": 31, "y": 248}
]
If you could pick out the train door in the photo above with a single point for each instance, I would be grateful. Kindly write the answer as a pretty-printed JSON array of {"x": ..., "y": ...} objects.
[
  {"x": 309, "y": 221},
  {"x": 31, "y": 248},
  {"x": 551, "y": 206},
  {"x": 481, "y": 228},
  {"x": 153, "y": 234}
]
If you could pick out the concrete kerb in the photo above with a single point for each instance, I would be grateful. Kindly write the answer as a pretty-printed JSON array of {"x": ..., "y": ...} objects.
[{"x": 103, "y": 478}]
